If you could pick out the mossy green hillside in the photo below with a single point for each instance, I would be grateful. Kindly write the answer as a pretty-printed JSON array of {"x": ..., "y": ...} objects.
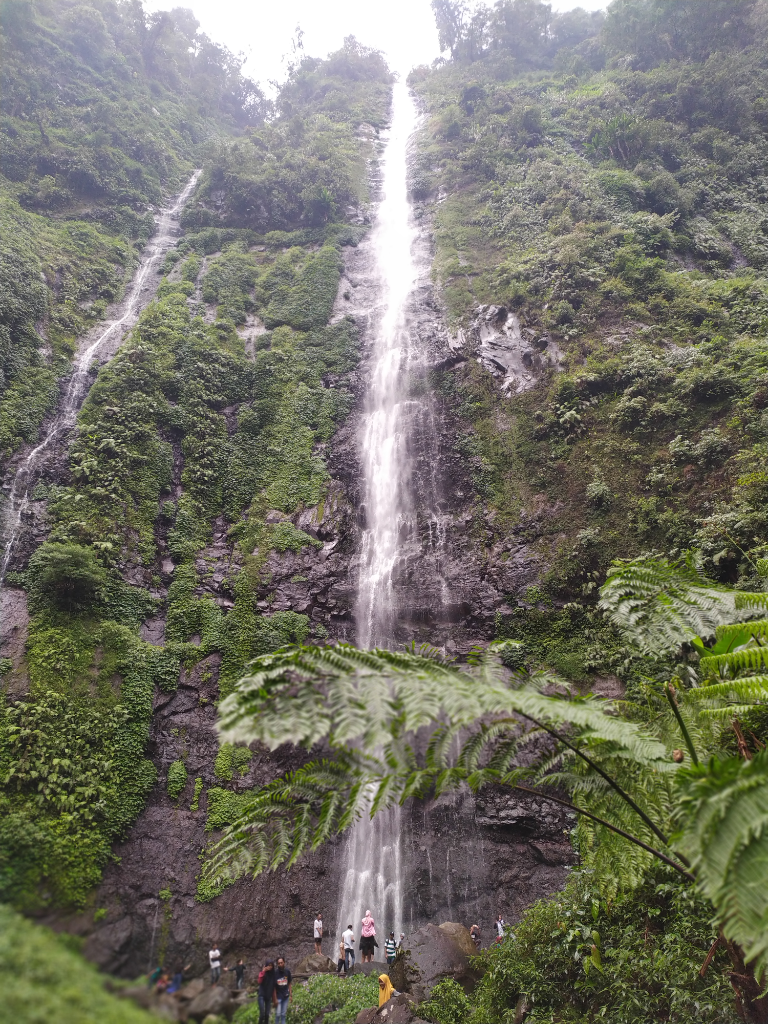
[
  {"x": 44, "y": 978},
  {"x": 619, "y": 211},
  {"x": 103, "y": 111},
  {"x": 158, "y": 404}
]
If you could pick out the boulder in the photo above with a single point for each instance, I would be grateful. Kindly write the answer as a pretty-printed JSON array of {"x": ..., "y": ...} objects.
[
  {"x": 192, "y": 989},
  {"x": 399, "y": 1010},
  {"x": 315, "y": 963},
  {"x": 216, "y": 1001},
  {"x": 460, "y": 935},
  {"x": 441, "y": 952}
]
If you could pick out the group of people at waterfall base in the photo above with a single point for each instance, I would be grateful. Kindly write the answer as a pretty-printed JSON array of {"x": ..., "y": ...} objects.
[
  {"x": 275, "y": 982},
  {"x": 368, "y": 943}
]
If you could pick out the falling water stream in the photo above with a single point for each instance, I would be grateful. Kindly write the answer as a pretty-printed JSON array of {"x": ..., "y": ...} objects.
[
  {"x": 103, "y": 341},
  {"x": 372, "y": 876}
]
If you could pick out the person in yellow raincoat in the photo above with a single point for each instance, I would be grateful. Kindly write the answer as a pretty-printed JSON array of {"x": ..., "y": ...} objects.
[{"x": 386, "y": 989}]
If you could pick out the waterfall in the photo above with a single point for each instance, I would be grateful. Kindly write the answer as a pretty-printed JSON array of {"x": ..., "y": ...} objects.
[
  {"x": 372, "y": 877},
  {"x": 103, "y": 341},
  {"x": 384, "y": 454}
]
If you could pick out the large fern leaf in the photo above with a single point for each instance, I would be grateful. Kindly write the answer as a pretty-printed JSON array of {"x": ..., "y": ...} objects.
[
  {"x": 726, "y": 839},
  {"x": 365, "y": 705},
  {"x": 659, "y": 605},
  {"x": 372, "y": 699}
]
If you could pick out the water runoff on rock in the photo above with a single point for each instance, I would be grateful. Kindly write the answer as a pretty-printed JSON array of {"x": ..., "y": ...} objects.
[
  {"x": 100, "y": 343},
  {"x": 373, "y": 876}
]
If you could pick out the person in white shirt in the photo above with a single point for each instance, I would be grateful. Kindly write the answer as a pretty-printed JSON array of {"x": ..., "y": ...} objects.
[
  {"x": 318, "y": 932},
  {"x": 348, "y": 938},
  {"x": 214, "y": 959},
  {"x": 499, "y": 928}
]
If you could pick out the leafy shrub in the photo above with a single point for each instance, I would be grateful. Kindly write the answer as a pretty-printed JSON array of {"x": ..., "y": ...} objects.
[
  {"x": 69, "y": 577},
  {"x": 651, "y": 945},
  {"x": 447, "y": 1004},
  {"x": 347, "y": 996}
]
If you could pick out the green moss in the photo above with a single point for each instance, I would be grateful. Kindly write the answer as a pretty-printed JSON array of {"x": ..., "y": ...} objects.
[
  {"x": 231, "y": 759},
  {"x": 177, "y": 779},
  {"x": 195, "y": 805}
]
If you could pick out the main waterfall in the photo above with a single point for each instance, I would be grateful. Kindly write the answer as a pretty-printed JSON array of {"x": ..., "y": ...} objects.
[{"x": 372, "y": 877}]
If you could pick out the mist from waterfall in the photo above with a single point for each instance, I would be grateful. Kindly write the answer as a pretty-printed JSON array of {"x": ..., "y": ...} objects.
[{"x": 372, "y": 877}]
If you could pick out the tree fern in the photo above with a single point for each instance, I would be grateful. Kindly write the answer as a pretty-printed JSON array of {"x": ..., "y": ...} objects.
[
  {"x": 365, "y": 705},
  {"x": 659, "y": 605},
  {"x": 726, "y": 840}
]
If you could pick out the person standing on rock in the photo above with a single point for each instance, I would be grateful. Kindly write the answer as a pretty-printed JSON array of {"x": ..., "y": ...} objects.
[
  {"x": 401, "y": 941},
  {"x": 214, "y": 959},
  {"x": 341, "y": 962},
  {"x": 266, "y": 991},
  {"x": 348, "y": 938},
  {"x": 390, "y": 948},
  {"x": 239, "y": 970},
  {"x": 474, "y": 933},
  {"x": 499, "y": 928},
  {"x": 368, "y": 938},
  {"x": 282, "y": 990},
  {"x": 318, "y": 930}
]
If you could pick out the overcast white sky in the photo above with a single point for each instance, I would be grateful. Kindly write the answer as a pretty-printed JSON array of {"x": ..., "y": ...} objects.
[{"x": 263, "y": 29}]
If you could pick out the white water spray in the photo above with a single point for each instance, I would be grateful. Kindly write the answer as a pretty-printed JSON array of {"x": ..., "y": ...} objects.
[
  {"x": 384, "y": 454},
  {"x": 108, "y": 337},
  {"x": 373, "y": 875}
]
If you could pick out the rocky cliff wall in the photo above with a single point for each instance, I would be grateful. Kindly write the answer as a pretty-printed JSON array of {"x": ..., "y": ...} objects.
[{"x": 465, "y": 859}]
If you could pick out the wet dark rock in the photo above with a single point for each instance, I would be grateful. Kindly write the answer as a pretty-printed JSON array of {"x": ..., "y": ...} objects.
[
  {"x": 216, "y": 1000},
  {"x": 440, "y": 952},
  {"x": 398, "y": 1010}
]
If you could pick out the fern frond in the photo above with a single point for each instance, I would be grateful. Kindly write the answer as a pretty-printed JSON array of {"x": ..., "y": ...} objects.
[
  {"x": 726, "y": 839},
  {"x": 752, "y": 688},
  {"x": 757, "y": 628},
  {"x": 369, "y": 699},
  {"x": 659, "y": 605},
  {"x": 750, "y": 659}
]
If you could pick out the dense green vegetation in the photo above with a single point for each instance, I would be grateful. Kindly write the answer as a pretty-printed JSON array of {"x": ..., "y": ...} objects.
[
  {"x": 72, "y": 751},
  {"x": 104, "y": 111},
  {"x": 45, "y": 979},
  {"x": 580, "y": 957},
  {"x": 611, "y": 193}
]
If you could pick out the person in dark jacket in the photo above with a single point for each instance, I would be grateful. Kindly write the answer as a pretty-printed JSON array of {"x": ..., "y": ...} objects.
[
  {"x": 283, "y": 991},
  {"x": 266, "y": 991}
]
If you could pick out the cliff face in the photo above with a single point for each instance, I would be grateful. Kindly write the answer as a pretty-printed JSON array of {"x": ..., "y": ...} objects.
[
  {"x": 212, "y": 506},
  {"x": 463, "y": 859}
]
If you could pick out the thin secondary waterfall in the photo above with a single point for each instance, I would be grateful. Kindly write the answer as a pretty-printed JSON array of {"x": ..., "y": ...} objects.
[
  {"x": 107, "y": 338},
  {"x": 373, "y": 872}
]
